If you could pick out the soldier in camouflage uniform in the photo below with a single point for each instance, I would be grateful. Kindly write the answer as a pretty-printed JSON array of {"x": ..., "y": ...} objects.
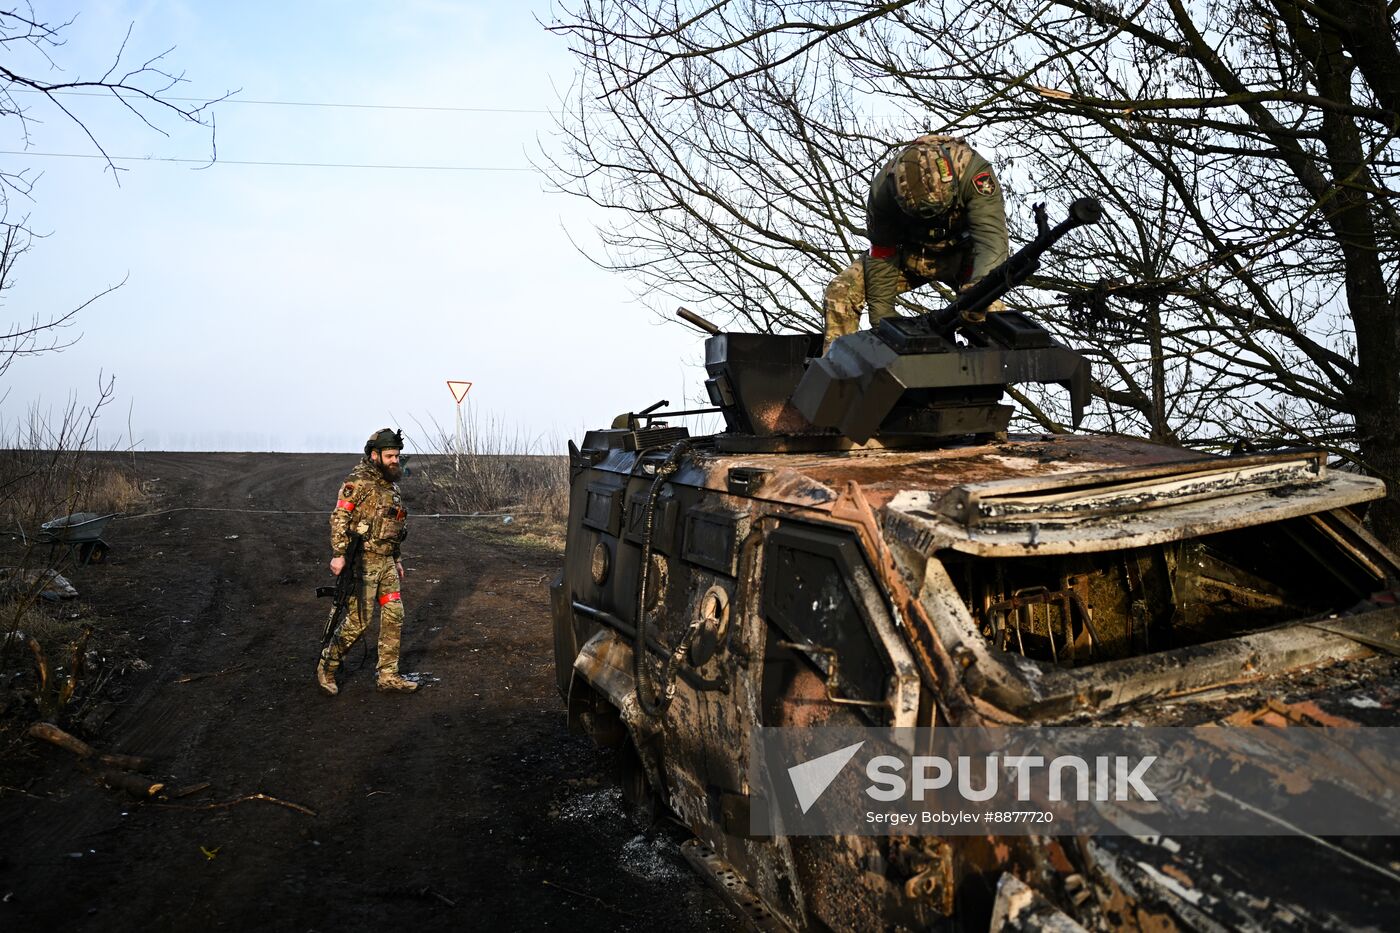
[
  {"x": 935, "y": 211},
  {"x": 371, "y": 505}
]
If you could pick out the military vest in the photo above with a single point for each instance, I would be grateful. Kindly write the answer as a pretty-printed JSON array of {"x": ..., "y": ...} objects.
[
  {"x": 372, "y": 507},
  {"x": 914, "y": 199}
]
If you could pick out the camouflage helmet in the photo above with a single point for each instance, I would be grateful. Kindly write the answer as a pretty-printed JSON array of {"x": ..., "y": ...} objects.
[
  {"x": 384, "y": 439},
  {"x": 926, "y": 175}
]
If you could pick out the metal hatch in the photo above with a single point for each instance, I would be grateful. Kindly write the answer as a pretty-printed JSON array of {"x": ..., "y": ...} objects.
[{"x": 1121, "y": 508}]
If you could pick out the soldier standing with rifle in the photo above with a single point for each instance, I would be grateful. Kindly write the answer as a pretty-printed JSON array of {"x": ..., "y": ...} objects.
[
  {"x": 935, "y": 211},
  {"x": 367, "y": 527}
]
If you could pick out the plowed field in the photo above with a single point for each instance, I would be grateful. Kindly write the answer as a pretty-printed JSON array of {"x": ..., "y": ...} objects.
[{"x": 464, "y": 806}]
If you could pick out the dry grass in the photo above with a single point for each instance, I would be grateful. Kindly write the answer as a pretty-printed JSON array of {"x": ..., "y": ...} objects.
[
  {"x": 46, "y": 690},
  {"x": 114, "y": 488},
  {"x": 488, "y": 467},
  {"x": 38, "y": 485},
  {"x": 52, "y": 464},
  {"x": 50, "y": 467},
  {"x": 53, "y": 628},
  {"x": 533, "y": 486},
  {"x": 539, "y": 536}
]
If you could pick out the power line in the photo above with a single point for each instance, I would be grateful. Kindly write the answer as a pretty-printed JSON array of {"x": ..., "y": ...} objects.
[
  {"x": 291, "y": 103},
  {"x": 221, "y": 161}
]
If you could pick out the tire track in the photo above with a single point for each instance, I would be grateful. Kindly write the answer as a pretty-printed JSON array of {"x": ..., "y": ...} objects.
[{"x": 450, "y": 796}]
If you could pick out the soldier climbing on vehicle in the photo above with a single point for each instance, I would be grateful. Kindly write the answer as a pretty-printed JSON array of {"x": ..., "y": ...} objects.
[{"x": 935, "y": 212}]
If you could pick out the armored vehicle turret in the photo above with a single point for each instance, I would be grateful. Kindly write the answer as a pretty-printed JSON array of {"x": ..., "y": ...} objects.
[
  {"x": 909, "y": 382},
  {"x": 864, "y": 544}
]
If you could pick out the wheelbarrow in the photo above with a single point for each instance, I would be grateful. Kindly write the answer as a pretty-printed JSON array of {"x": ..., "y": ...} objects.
[{"x": 80, "y": 532}]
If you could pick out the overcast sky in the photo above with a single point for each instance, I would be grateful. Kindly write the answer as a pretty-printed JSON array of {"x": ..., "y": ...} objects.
[{"x": 300, "y": 308}]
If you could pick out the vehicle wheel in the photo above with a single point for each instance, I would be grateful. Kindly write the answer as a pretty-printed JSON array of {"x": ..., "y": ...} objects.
[
  {"x": 92, "y": 552},
  {"x": 639, "y": 799}
]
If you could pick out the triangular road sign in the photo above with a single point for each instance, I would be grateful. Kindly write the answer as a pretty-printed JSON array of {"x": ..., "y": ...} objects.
[{"x": 459, "y": 389}]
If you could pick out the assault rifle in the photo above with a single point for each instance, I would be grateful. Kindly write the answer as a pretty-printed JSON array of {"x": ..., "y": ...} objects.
[{"x": 346, "y": 585}]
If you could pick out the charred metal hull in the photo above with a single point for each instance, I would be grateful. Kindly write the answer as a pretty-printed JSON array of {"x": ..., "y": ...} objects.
[
  {"x": 864, "y": 546},
  {"x": 906, "y": 566}
]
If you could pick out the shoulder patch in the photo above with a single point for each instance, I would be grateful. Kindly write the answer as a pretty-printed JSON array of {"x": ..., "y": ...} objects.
[
  {"x": 347, "y": 490},
  {"x": 985, "y": 184}
]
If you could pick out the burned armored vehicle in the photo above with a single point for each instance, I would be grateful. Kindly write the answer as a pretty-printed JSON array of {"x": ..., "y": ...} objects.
[{"x": 864, "y": 544}]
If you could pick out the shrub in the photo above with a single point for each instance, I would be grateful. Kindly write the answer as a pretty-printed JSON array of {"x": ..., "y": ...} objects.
[{"x": 489, "y": 467}]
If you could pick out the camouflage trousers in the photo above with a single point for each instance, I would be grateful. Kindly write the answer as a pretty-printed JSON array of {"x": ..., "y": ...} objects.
[
  {"x": 380, "y": 588},
  {"x": 846, "y": 294}
]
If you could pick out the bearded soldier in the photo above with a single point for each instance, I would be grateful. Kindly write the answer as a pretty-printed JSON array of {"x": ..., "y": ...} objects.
[
  {"x": 370, "y": 506},
  {"x": 935, "y": 211}
]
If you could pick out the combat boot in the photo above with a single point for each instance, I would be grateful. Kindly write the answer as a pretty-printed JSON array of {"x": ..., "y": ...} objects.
[
  {"x": 325, "y": 677},
  {"x": 392, "y": 682}
]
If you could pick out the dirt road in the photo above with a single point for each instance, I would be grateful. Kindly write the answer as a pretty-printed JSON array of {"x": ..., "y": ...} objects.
[{"x": 464, "y": 806}]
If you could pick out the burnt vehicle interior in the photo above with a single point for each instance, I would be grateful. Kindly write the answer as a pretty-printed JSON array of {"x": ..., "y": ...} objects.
[
  {"x": 1161, "y": 572},
  {"x": 1077, "y": 609},
  {"x": 1162, "y": 578},
  {"x": 1137, "y": 569},
  {"x": 818, "y": 600},
  {"x": 864, "y": 543}
]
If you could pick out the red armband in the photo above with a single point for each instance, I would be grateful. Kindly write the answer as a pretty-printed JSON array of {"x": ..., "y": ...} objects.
[
  {"x": 390, "y": 598},
  {"x": 882, "y": 252},
  {"x": 345, "y": 504}
]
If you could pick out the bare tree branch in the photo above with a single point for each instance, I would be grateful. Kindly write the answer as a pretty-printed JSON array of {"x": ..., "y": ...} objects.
[{"x": 1246, "y": 280}]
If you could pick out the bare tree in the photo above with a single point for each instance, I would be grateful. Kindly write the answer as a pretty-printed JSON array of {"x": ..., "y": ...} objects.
[
  {"x": 1244, "y": 285},
  {"x": 144, "y": 88},
  {"x": 46, "y": 465}
]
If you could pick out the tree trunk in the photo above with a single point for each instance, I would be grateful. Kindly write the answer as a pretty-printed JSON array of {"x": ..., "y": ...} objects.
[
  {"x": 1380, "y": 451},
  {"x": 1374, "y": 314}
]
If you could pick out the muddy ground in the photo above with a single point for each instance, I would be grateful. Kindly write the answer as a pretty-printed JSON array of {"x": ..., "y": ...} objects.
[{"x": 464, "y": 806}]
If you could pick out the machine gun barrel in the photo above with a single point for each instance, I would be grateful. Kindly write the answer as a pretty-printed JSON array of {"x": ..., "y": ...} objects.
[
  {"x": 686, "y": 314},
  {"x": 1016, "y": 269}
]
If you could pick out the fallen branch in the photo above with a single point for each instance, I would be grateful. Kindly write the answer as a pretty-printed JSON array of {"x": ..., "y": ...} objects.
[
  {"x": 191, "y": 678},
  {"x": 138, "y": 787},
  {"x": 237, "y": 800},
  {"x": 415, "y": 891},
  {"x": 188, "y": 789},
  {"x": 18, "y": 740},
  {"x": 52, "y": 734},
  {"x": 597, "y": 900},
  {"x": 4, "y": 788}
]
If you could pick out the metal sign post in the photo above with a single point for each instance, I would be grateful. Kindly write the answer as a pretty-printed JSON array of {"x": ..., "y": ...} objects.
[{"x": 459, "y": 391}]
